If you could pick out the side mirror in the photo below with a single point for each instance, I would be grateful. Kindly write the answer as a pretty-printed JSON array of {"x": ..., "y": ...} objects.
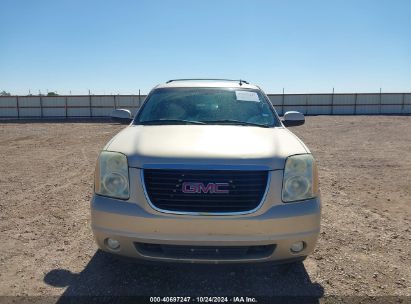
[
  {"x": 122, "y": 116},
  {"x": 293, "y": 118}
]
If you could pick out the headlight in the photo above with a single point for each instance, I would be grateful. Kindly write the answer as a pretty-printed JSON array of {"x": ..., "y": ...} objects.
[
  {"x": 111, "y": 177},
  {"x": 300, "y": 178}
]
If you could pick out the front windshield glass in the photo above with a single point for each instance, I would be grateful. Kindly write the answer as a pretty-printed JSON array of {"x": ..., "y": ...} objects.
[{"x": 207, "y": 106}]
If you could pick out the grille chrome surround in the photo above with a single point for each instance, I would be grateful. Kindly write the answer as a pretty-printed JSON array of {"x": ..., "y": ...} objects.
[{"x": 264, "y": 175}]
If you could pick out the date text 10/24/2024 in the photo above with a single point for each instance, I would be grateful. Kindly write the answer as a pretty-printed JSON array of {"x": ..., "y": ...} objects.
[{"x": 236, "y": 299}]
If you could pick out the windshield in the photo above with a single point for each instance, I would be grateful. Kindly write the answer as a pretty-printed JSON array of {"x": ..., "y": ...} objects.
[{"x": 207, "y": 106}]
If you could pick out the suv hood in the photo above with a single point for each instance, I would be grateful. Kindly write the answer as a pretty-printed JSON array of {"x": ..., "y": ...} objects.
[{"x": 206, "y": 146}]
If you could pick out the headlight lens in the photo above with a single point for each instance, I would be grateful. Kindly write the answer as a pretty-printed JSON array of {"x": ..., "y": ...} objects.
[
  {"x": 111, "y": 177},
  {"x": 300, "y": 178}
]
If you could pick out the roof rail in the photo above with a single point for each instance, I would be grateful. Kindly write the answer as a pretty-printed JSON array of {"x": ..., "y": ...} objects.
[{"x": 240, "y": 81}]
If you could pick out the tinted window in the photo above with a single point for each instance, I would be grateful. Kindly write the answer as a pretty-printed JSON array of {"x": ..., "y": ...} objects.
[{"x": 207, "y": 105}]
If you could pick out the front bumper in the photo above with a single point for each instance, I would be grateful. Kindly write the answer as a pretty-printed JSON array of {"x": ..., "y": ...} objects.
[{"x": 278, "y": 226}]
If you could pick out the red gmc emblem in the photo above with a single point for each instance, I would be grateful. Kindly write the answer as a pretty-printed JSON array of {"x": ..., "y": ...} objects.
[{"x": 194, "y": 187}]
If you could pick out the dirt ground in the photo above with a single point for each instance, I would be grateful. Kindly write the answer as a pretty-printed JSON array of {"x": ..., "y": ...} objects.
[{"x": 46, "y": 176}]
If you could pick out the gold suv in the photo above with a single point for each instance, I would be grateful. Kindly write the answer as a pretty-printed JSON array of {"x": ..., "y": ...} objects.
[{"x": 206, "y": 172}]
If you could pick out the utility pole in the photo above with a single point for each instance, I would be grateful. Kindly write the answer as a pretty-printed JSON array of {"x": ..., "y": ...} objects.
[{"x": 139, "y": 98}]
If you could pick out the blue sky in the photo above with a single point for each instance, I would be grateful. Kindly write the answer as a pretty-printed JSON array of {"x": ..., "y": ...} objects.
[{"x": 123, "y": 46}]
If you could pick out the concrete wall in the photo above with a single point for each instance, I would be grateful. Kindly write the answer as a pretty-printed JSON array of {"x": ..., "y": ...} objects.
[{"x": 102, "y": 105}]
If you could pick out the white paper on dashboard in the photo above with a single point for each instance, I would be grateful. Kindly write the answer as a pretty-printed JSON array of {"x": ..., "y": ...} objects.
[{"x": 247, "y": 96}]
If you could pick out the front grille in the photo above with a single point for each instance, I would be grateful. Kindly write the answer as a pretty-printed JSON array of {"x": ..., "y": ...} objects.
[
  {"x": 205, "y": 252},
  {"x": 242, "y": 190}
]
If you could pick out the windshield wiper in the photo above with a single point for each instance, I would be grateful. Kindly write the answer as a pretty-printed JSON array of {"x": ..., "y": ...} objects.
[
  {"x": 170, "y": 122},
  {"x": 235, "y": 122}
]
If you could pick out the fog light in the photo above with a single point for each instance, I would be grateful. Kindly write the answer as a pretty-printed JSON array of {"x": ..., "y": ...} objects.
[
  {"x": 112, "y": 244},
  {"x": 297, "y": 247}
]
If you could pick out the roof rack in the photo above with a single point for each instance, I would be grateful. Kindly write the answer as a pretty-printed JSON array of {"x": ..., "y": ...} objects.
[{"x": 240, "y": 81}]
